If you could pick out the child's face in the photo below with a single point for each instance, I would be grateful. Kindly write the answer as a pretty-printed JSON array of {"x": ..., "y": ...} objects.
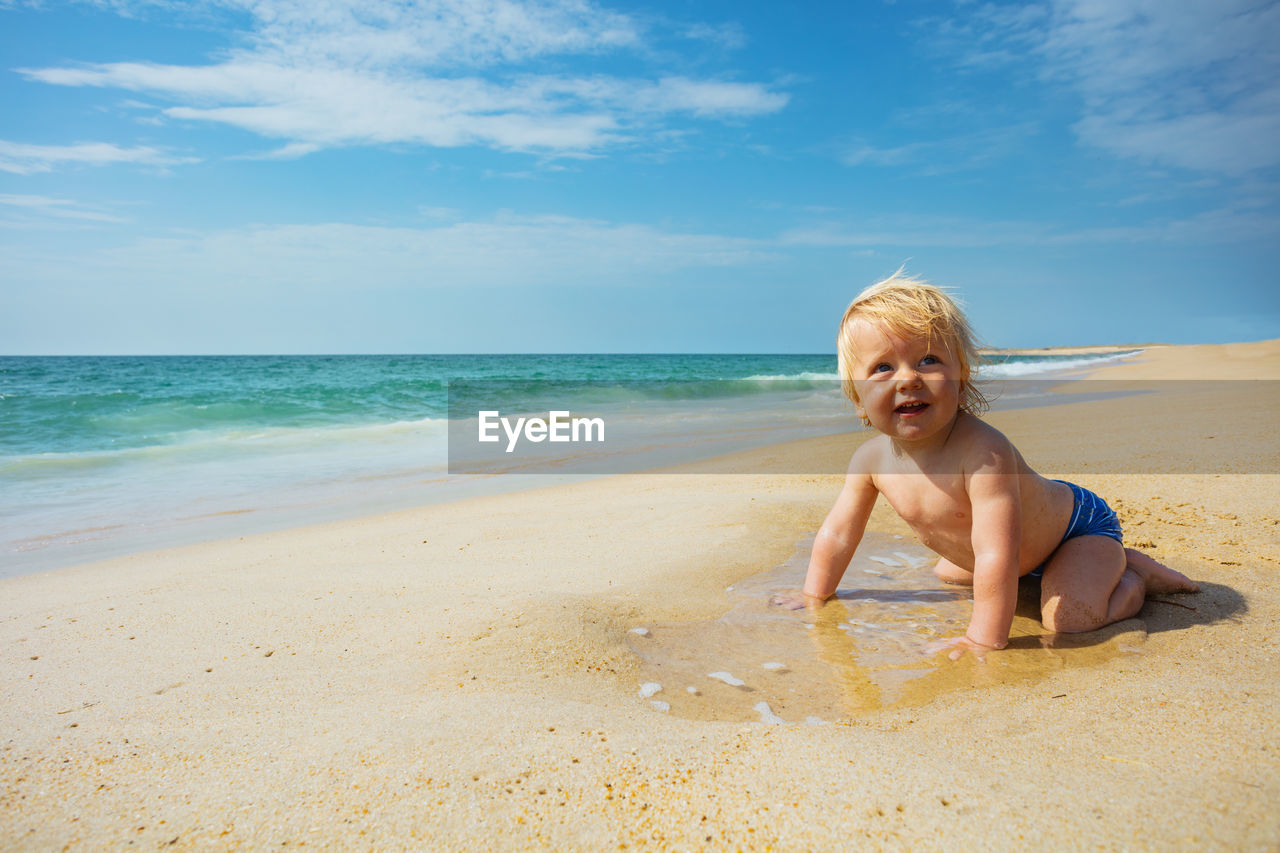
[{"x": 909, "y": 388}]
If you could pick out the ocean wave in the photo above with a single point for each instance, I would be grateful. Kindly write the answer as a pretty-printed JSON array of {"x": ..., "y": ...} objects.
[
  {"x": 202, "y": 445},
  {"x": 540, "y": 396},
  {"x": 806, "y": 376},
  {"x": 1017, "y": 369}
]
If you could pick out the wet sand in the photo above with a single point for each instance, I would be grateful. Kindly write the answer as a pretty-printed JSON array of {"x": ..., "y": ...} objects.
[
  {"x": 866, "y": 650},
  {"x": 466, "y": 675}
]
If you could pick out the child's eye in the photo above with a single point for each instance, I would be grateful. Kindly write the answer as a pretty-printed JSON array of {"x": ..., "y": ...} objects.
[
  {"x": 881, "y": 368},
  {"x": 930, "y": 359}
]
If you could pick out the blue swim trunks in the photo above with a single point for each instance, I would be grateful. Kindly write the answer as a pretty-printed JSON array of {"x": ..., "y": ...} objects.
[{"x": 1089, "y": 517}]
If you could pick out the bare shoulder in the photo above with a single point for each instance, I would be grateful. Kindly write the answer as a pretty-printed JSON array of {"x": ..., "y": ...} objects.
[
  {"x": 869, "y": 456},
  {"x": 985, "y": 448},
  {"x": 860, "y": 489}
]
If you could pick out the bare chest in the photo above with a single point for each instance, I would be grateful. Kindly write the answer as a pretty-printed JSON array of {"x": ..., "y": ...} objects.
[{"x": 937, "y": 508}]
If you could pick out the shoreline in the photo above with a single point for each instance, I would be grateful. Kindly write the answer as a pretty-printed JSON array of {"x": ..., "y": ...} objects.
[
  {"x": 458, "y": 675},
  {"x": 136, "y": 509},
  {"x": 1098, "y": 349}
]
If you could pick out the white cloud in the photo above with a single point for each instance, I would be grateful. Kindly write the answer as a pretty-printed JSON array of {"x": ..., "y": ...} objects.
[
  {"x": 548, "y": 250},
  {"x": 380, "y": 33},
  {"x": 900, "y": 231},
  {"x": 943, "y": 154},
  {"x": 59, "y": 208},
  {"x": 22, "y": 159},
  {"x": 292, "y": 151},
  {"x": 359, "y": 73},
  {"x": 1174, "y": 82},
  {"x": 1237, "y": 139},
  {"x": 862, "y": 154},
  {"x": 512, "y": 250},
  {"x": 1242, "y": 223},
  {"x": 726, "y": 36},
  {"x": 435, "y": 32}
]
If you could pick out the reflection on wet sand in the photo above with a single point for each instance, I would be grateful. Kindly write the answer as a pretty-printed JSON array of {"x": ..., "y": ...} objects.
[{"x": 865, "y": 650}]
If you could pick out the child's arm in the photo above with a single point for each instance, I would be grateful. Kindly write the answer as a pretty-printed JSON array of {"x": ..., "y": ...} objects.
[
  {"x": 838, "y": 538},
  {"x": 997, "y": 533}
]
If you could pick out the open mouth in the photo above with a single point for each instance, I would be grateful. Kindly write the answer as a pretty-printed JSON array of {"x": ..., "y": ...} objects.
[{"x": 911, "y": 408}]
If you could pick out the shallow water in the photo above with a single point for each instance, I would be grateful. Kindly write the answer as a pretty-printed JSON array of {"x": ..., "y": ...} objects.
[
  {"x": 108, "y": 455},
  {"x": 866, "y": 650}
]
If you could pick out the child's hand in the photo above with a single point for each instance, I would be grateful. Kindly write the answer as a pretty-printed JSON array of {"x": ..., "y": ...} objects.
[
  {"x": 960, "y": 645},
  {"x": 796, "y": 599}
]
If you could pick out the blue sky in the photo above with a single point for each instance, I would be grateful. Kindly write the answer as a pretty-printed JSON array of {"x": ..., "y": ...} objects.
[{"x": 572, "y": 176}]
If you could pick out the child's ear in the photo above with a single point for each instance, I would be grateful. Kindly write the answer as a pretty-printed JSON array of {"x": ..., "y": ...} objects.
[{"x": 862, "y": 413}]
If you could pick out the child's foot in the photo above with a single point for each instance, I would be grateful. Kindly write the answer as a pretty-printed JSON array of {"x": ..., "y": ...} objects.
[{"x": 1157, "y": 577}]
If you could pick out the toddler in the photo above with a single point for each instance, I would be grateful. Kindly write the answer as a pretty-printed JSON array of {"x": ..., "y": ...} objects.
[{"x": 906, "y": 355}]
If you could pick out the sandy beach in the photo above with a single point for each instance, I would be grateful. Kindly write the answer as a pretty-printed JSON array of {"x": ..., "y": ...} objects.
[{"x": 468, "y": 675}]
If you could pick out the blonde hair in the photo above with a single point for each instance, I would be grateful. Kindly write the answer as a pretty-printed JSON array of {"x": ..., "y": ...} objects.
[{"x": 910, "y": 307}]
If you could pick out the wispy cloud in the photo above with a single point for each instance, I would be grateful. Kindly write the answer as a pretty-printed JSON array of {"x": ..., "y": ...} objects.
[
  {"x": 1241, "y": 223},
  {"x": 1172, "y": 82},
  {"x": 863, "y": 154},
  {"x": 58, "y": 208},
  {"x": 906, "y": 231},
  {"x": 292, "y": 151},
  {"x": 945, "y": 153},
  {"x": 23, "y": 159},
  {"x": 441, "y": 33},
  {"x": 392, "y": 32},
  {"x": 727, "y": 36},
  {"x": 507, "y": 251},
  {"x": 445, "y": 73},
  {"x": 546, "y": 250}
]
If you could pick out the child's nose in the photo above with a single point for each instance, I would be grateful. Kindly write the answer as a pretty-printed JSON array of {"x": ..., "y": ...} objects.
[{"x": 909, "y": 377}]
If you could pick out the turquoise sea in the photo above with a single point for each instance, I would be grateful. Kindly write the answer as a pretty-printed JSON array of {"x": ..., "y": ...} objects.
[{"x": 103, "y": 455}]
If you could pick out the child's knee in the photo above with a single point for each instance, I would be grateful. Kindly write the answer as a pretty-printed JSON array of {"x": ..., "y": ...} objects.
[
  {"x": 1067, "y": 614},
  {"x": 1064, "y": 616}
]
